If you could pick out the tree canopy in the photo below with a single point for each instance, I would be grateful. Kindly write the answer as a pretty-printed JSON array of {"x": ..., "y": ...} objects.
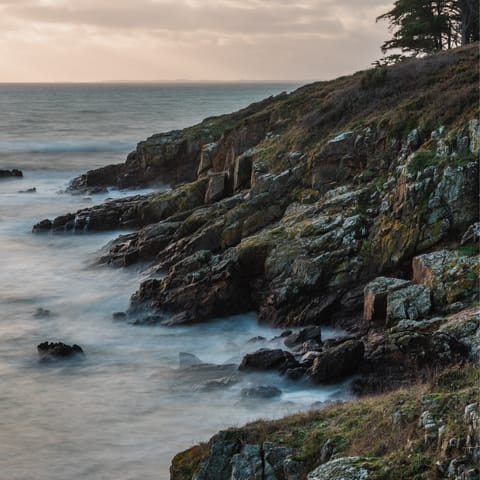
[{"x": 422, "y": 27}]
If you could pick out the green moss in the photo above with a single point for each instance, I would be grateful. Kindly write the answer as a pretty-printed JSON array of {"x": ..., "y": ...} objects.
[
  {"x": 421, "y": 160},
  {"x": 186, "y": 464},
  {"x": 468, "y": 250},
  {"x": 462, "y": 159}
]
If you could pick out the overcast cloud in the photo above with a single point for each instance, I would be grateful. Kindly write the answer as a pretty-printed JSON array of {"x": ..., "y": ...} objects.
[{"x": 101, "y": 40}]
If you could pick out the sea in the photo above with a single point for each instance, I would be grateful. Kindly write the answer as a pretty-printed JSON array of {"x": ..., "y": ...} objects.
[{"x": 127, "y": 407}]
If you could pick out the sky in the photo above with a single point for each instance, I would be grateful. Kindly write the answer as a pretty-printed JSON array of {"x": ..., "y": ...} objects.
[{"x": 187, "y": 40}]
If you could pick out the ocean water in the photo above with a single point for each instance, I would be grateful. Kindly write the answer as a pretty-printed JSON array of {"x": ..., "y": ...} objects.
[{"x": 125, "y": 409}]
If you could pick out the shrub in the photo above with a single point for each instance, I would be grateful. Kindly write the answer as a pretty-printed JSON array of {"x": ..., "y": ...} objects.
[{"x": 421, "y": 160}]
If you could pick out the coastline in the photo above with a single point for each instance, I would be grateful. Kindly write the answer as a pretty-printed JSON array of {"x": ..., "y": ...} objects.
[{"x": 339, "y": 204}]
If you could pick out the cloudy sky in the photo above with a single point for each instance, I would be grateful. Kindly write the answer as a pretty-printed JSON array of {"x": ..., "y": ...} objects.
[{"x": 152, "y": 40}]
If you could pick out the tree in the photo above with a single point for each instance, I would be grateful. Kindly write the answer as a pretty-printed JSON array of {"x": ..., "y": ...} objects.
[{"x": 425, "y": 26}]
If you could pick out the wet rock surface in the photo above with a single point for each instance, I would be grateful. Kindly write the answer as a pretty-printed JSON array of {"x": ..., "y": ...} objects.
[
  {"x": 58, "y": 350},
  {"x": 265, "y": 359},
  {"x": 14, "y": 173}
]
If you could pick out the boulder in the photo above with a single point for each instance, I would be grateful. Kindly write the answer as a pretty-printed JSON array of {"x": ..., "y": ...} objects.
[
  {"x": 337, "y": 362},
  {"x": 10, "y": 173},
  {"x": 412, "y": 302},
  {"x": 51, "y": 351},
  {"x": 262, "y": 391},
  {"x": 266, "y": 359},
  {"x": 345, "y": 468},
  {"x": 450, "y": 276},
  {"x": 305, "y": 334},
  {"x": 187, "y": 359},
  {"x": 375, "y": 297}
]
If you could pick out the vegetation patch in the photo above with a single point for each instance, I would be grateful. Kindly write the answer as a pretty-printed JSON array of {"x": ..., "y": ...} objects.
[{"x": 421, "y": 160}]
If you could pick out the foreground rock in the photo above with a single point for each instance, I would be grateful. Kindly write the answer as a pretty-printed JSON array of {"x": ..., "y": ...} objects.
[
  {"x": 337, "y": 362},
  {"x": 58, "y": 350},
  {"x": 427, "y": 428},
  {"x": 11, "y": 173},
  {"x": 266, "y": 359}
]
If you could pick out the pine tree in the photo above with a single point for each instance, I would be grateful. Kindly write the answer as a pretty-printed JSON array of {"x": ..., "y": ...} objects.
[{"x": 424, "y": 26}]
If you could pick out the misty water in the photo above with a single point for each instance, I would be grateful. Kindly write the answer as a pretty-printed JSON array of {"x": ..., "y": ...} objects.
[{"x": 124, "y": 410}]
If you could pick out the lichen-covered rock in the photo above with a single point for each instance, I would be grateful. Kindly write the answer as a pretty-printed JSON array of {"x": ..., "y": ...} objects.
[
  {"x": 130, "y": 212},
  {"x": 472, "y": 420},
  {"x": 411, "y": 302},
  {"x": 345, "y": 468},
  {"x": 248, "y": 464},
  {"x": 375, "y": 297},
  {"x": 222, "y": 447},
  {"x": 450, "y": 276}
]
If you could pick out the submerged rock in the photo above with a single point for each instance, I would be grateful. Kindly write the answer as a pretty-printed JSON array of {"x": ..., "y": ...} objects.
[
  {"x": 186, "y": 359},
  {"x": 51, "y": 351},
  {"x": 11, "y": 173},
  {"x": 42, "y": 313},
  {"x": 263, "y": 391}
]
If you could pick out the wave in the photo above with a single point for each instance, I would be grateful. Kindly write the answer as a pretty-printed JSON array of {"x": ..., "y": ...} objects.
[{"x": 64, "y": 147}]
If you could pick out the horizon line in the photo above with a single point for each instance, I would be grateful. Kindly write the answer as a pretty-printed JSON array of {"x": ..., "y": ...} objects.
[{"x": 176, "y": 81}]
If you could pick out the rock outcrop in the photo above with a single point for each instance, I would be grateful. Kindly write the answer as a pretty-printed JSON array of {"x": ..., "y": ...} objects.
[
  {"x": 309, "y": 208},
  {"x": 11, "y": 173},
  {"x": 56, "y": 350}
]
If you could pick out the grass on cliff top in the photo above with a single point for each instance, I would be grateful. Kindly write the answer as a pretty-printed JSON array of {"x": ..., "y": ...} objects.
[
  {"x": 383, "y": 430},
  {"x": 420, "y": 93}
]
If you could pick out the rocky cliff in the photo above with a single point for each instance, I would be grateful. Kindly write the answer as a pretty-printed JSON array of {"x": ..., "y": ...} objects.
[{"x": 352, "y": 202}]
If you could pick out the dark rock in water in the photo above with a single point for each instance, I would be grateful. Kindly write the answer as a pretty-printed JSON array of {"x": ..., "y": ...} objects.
[
  {"x": 336, "y": 362},
  {"x": 216, "y": 384},
  {"x": 309, "y": 346},
  {"x": 261, "y": 392},
  {"x": 119, "y": 315},
  {"x": 187, "y": 359},
  {"x": 96, "y": 190},
  {"x": 258, "y": 338},
  {"x": 295, "y": 373},
  {"x": 28, "y": 190},
  {"x": 50, "y": 351},
  {"x": 43, "y": 226},
  {"x": 42, "y": 313},
  {"x": 308, "y": 333},
  {"x": 266, "y": 359},
  {"x": 10, "y": 173}
]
